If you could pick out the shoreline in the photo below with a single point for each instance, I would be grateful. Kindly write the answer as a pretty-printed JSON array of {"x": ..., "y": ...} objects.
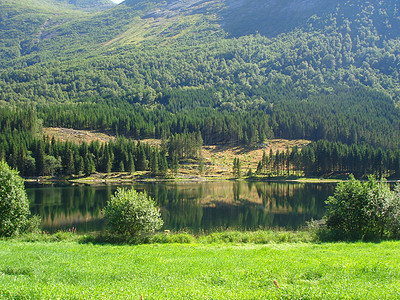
[
  {"x": 121, "y": 178},
  {"x": 145, "y": 177}
]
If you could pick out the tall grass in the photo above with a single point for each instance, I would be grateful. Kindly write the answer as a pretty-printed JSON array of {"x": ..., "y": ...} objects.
[{"x": 224, "y": 236}]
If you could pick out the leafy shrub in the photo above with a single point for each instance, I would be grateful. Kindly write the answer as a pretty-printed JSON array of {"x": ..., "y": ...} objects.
[
  {"x": 104, "y": 238},
  {"x": 367, "y": 210},
  {"x": 182, "y": 238},
  {"x": 166, "y": 238},
  {"x": 131, "y": 213},
  {"x": 158, "y": 238},
  {"x": 67, "y": 236},
  {"x": 257, "y": 237},
  {"x": 14, "y": 204},
  {"x": 33, "y": 224}
]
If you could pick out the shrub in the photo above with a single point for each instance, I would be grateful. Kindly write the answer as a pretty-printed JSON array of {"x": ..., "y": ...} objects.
[
  {"x": 14, "y": 204},
  {"x": 367, "y": 210},
  {"x": 33, "y": 224},
  {"x": 131, "y": 213}
]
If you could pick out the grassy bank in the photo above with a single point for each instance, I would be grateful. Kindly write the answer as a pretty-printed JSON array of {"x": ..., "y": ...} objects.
[
  {"x": 267, "y": 236},
  {"x": 69, "y": 270},
  {"x": 141, "y": 176}
]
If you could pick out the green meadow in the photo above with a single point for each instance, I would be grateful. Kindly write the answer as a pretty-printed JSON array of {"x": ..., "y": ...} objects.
[{"x": 70, "y": 270}]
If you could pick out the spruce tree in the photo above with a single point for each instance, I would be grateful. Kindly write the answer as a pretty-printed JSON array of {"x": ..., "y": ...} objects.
[
  {"x": 89, "y": 166},
  {"x": 130, "y": 167},
  {"x": 162, "y": 164},
  {"x": 175, "y": 164},
  {"x": 154, "y": 163},
  {"x": 40, "y": 158}
]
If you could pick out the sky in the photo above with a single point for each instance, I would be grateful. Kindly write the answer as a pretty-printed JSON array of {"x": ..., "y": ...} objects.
[{"x": 117, "y": 1}]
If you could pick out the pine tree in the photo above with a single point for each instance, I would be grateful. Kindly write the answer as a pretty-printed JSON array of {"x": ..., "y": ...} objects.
[
  {"x": 89, "y": 166},
  {"x": 237, "y": 172},
  {"x": 121, "y": 167},
  {"x": 162, "y": 164},
  {"x": 40, "y": 158},
  {"x": 79, "y": 164},
  {"x": 201, "y": 166},
  {"x": 154, "y": 163},
  {"x": 175, "y": 164},
  {"x": 68, "y": 162},
  {"x": 141, "y": 162},
  {"x": 106, "y": 160},
  {"x": 130, "y": 167}
]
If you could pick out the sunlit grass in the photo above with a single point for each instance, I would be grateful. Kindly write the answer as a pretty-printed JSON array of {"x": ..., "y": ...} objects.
[{"x": 69, "y": 270}]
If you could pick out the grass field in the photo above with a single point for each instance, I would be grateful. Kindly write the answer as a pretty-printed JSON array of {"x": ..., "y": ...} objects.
[{"x": 68, "y": 270}]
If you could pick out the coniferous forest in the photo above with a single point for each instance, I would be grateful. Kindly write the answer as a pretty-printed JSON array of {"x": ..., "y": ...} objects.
[{"x": 200, "y": 73}]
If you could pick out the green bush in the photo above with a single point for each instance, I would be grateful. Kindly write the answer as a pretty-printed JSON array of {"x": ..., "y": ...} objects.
[
  {"x": 33, "y": 225},
  {"x": 131, "y": 213},
  {"x": 166, "y": 238},
  {"x": 14, "y": 204},
  {"x": 368, "y": 210}
]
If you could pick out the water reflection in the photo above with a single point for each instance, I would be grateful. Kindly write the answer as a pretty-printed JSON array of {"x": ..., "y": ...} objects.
[{"x": 195, "y": 206}]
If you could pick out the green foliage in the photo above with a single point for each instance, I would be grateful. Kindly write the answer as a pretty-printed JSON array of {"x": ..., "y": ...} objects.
[
  {"x": 333, "y": 78},
  {"x": 14, "y": 204},
  {"x": 335, "y": 43},
  {"x": 257, "y": 237},
  {"x": 33, "y": 225},
  {"x": 166, "y": 238},
  {"x": 129, "y": 212},
  {"x": 325, "y": 158},
  {"x": 220, "y": 237},
  {"x": 363, "y": 210},
  {"x": 185, "y": 145},
  {"x": 236, "y": 169}
]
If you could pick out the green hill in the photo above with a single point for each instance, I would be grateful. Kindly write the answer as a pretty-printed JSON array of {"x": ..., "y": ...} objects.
[
  {"x": 314, "y": 45},
  {"x": 238, "y": 71}
]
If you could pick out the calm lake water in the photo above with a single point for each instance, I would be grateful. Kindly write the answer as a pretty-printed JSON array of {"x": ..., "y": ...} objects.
[{"x": 194, "y": 206}]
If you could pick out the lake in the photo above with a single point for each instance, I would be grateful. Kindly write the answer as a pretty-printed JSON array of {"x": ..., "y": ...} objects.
[{"x": 194, "y": 206}]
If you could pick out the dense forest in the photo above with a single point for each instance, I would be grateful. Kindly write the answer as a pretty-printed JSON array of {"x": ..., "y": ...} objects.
[
  {"x": 200, "y": 72},
  {"x": 354, "y": 149},
  {"x": 324, "y": 158},
  {"x": 351, "y": 116}
]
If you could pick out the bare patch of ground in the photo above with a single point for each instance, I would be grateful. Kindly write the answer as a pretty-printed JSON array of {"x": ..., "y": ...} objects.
[
  {"x": 77, "y": 136},
  {"x": 218, "y": 159}
]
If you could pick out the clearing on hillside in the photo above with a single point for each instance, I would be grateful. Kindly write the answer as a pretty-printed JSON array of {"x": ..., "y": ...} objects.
[
  {"x": 77, "y": 136},
  {"x": 218, "y": 159}
]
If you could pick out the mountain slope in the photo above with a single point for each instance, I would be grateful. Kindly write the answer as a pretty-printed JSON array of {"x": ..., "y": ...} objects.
[
  {"x": 201, "y": 71},
  {"x": 271, "y": 17},
  {"x": 24, "y": 24},
  {"x": 355, "y": 44},
  {"x": 236, "y": 56}
]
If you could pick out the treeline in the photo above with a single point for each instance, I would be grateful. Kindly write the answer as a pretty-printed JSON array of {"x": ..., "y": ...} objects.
[
  {"x": 186, "y": 145},
  {"x": 48, "y": 157},
  {"x": 23, "y": 147},
  {"x": 350, "y": 116},
  {"x": 133, "y": 121},
  {"x": 324, "y": 158}
]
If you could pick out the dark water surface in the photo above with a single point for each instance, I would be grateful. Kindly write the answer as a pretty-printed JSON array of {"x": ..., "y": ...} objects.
[{"x": 194, "y": 206}]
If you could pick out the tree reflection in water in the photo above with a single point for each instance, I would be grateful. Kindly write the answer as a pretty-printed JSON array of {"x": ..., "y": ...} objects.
[{"x": 194, "y": 206}]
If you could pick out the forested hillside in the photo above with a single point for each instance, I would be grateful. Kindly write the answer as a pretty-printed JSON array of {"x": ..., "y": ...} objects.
[{"x": 235, "y": 71}]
